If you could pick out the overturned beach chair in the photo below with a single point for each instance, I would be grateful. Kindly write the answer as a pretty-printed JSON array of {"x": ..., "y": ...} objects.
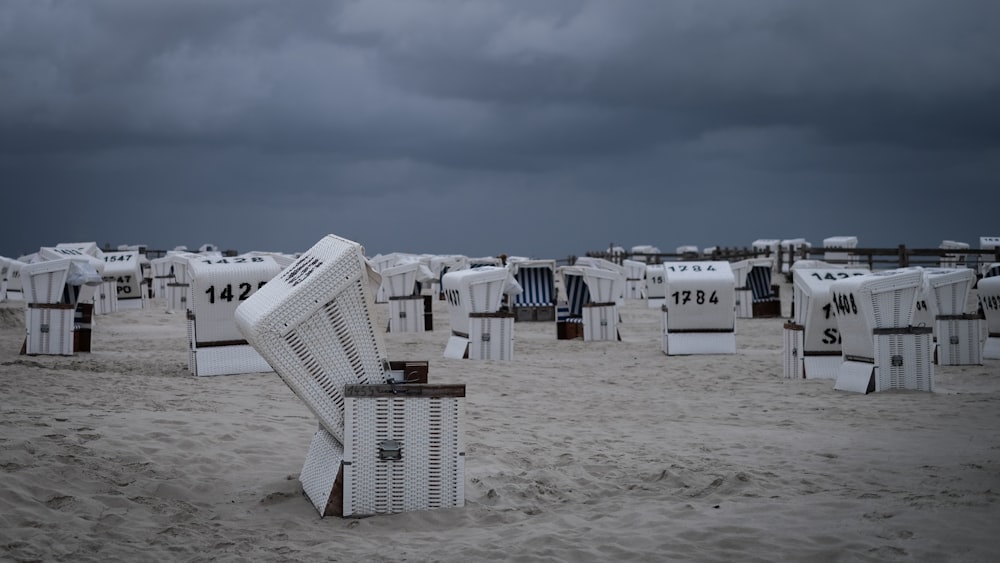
[
  {"x": 699, "y": 313},
  {"x": 989, "y": 301},
  {"x": 217, "y": 287},
  {"x": 812, "y": 340},
  {"x": 881, "y": 348},
  {"x": 537, "y": 300},
  {"x": 479, "y": 329},
  {"x": 384, "y": 444}
]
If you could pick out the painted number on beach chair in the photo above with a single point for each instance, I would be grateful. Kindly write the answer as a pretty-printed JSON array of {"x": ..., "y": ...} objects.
[
  {"x": 118, "y": 258},
  {"x": 831, "y": 276},
  {"x": 236, "y": 260},
  {"x": 845, "y": 303},
  {"x": 244, "y": 289},
  {"x": 127, "y": 287},
  {"x": 699, "y": 297},
  {"x": 694, "y": 268}
]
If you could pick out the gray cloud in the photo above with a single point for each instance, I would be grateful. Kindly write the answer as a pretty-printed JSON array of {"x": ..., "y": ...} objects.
[{"x": 539, "y": 128}]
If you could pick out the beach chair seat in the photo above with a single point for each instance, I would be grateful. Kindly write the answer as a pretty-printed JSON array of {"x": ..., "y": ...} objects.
[{"x": 403, "y": 450}]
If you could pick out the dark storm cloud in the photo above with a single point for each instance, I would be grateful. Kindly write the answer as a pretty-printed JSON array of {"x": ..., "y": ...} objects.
[{"x": 618, "y": 115}]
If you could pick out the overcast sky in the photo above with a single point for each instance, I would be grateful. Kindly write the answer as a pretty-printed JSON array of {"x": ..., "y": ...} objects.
[{"x": 537, "y": 128}]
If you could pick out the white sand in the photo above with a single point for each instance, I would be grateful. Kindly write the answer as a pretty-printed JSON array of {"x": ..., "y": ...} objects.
[{"x": 576, "y": 452}]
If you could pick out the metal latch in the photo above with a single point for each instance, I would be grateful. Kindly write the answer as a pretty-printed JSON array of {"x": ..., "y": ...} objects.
[
  {"x": 390, "y": 450},
  {"x": 897, "y": 361},
  {"x": 43, "y": 328},
  {"x": 402, "y": 314},
  {"x": 486, "y": 338},
  {"x": 953, "y": 340}
]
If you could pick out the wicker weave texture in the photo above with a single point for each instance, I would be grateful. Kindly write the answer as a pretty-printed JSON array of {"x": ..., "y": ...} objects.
[
  {"x": 49, "y": 331},
  {"x": 491, "y": 338},
  {"x": 948, "y": 290},
  {"x": 406, "y": 315},
  {"x": 44, "y": 282},
  {"x": 399, "y": 281},
  {"x": 879, "y": 300},
  {"x": 106, "y": 298},
  {"x": 600, "y": 323},
  {"x": 226, "y": 360},
  {"x": 959, "y": 342},
  {"x": 431, "y": 470},
  {"x": 903, "y": 361},
  {"x": 313, "y": 323},
  {"x": 792, "y": 354}
]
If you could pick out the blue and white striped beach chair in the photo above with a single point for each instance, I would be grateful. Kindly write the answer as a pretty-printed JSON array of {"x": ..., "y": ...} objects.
[
  {"x": 766, "y": 301},
  {"x": 536, "y": 302}
]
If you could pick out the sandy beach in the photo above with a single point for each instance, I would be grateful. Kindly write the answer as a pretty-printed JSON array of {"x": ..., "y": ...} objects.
[{"x": 576, "y": 451}]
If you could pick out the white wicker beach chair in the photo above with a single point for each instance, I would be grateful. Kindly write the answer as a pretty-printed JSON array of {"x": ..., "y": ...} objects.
[
  {"x": 49, "y": 315},
  {"x": 954, "y": 259},
  {"x": 217, "y": 287},
  {"x": 314, "y": 324},
  {"x": 474, "y": 297},
  {"x": 699, "y": 313},
  {"x": 835, "y": 250},
  {"x": 881, "y": 349},
  {"x": 406, "y": 305},
  {"x": 989, "y": 301},
  {"x": 957, "y": 331},
  {"x": 403, "y": 450},
  {"x": 818, "y": 347},
  {"x": 125, "y": 268},
  {"x": 656, "y": 285}
]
